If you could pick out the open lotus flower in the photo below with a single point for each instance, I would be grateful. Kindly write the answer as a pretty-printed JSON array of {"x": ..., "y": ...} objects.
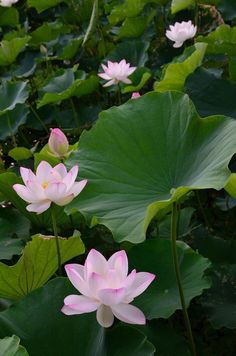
[
  {"x": 7, "y": 3},
  {"x": 58, "y": 143},
  {"x": 116, "y": 72},
  {"x": 107, "y": 288},
  {"x": 49, "y": 185},
  {"x": 180, "y": 32}
]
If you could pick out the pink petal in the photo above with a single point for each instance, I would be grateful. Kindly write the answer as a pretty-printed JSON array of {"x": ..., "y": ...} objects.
[
  {"x": 24, "y": 193},
  {"x": 95, "y": 283},
  {"x": 61, "y": 170},
  {"x": 111, "y": 82},
  {"x": 70, "y": 178},
  {"x": 24, "y": 174},
  {"x": 129, "y": 314},
  {"x": 119, "y": 262},
  {"x": 75, "y": 273},
  {"x": 64, "y": 201},
  {"x": 95, "y": 262},
  {"x": 105, "y": 316},
  {"x": 111, "y": 296},
  {"x": 104, "y": 76},
  {"x": 56, "y": 191},
  {"x": 43, "y": 172},
  {"x": 140, "y": 283},
  {"x": 81, "y": 304},
  {"x": 177, "y": 44},
  {"x": 36, "y": 189},
  {"x": 78, "y": 187},
  {"x": 38, "y": 207},
  {"x": 104, "y": 67},
  {"x": 126, "y": 80}
]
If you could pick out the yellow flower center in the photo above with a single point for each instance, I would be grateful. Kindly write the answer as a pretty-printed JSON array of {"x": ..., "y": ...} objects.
[{"x": 44, "y": 185}]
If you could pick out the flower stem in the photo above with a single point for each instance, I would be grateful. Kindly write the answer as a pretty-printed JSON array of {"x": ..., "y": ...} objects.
[
  {"x": 118, "y": 94},
  {"x": 54, "y": 225},
  {"x": 174, "y": 235},
  {"x": 38, "y": 118}
]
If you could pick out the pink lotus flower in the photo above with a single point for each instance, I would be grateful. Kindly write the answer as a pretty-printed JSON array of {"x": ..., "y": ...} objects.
[
  {"x": 49, "y": 185},
  {"x": 135, "y": 95},
  {"x": 180, "y": 32},
  {"x": 7, "y": 3},
  {"x": 107, "y": 288},
  {"x": 58, "y": 143},
  {"x": 116, "y": 72}
]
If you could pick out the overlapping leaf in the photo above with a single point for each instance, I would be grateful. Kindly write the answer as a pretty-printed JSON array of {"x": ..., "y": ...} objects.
[
  {"x": 42, "y": 327},
  {"x": 125, "y": 189},
  {"x": 37, "y": 264}
]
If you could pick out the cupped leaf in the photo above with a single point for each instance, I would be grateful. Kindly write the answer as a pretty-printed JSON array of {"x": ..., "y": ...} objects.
[
  {"x": 9, "y": 50},
  {"x": 11, "y": 120},
  {"x": 20, "y": 153},
  {"x": 178, "y": 5},
  {"x": 139, "y": 78},
  {"x": 161, "y": 299},
  {"x": 135, "y": 52},
  {"x": 210, "y": 94},
  {"x": 230, "y": 187},
  {"x": 176, "y": 73},
  {"x": 129, "y": 8},
  {"x": 37, "y": 264},
  {"x": 10, "y": 346},
  {"x": 9, "y": 16},
  {"x": 64, "y": 86},
  {"x": 12, "y": 94},
  {"x": 43, "y": 4},
  {"x": 12, "y": 224},
  {"x": 38, "y": 320},
  {"x": 145, "y": 154},
  {"x": 221, "y": 41}
]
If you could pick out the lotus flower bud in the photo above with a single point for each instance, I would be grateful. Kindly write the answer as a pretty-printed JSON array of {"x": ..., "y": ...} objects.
[
  {"x": 58, "y": 143},
  {"x": 135, "y": 95}
]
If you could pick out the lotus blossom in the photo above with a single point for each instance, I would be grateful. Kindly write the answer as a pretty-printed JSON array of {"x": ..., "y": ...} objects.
[
  {"x": 135, "y": 95},
  {"x": 58, "y": 143},
  {"x": 49, "y": 185},
  {"x": 106, "y": 287},
  {"x": 7, "y": 3},
  {"x": 116, "y": 72},
  {"x": 180, "y": 32}
]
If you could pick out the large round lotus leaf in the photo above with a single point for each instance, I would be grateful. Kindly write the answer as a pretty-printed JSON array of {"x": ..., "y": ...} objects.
[
  {"x": 145, "y": 154},
  {"x": 161, "y": 299},
  {"x": 45, "y": 331}
]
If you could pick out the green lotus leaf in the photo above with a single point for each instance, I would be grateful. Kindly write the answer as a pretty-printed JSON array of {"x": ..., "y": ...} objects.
[
  {"x": 9, "y": 16},
  {"x": 161, "y": 299},
  {"x": 44, "y": 330},
  {"x": 10, "y": 120},
  {"x": 176, "y": 72},
  {"x": 12, "y": 94},
  {"x": 9, "y": 50},
  {"x": 230, "y": 187},
  {"x": 211, "y": 94},
  {"x": 37, "y": 264},
  {"x": 10, "y": 346},
  {"x": 65, "y": 85},
  {"x": 142, "y": 156},
  {"x": 129, "y": 8},
  {"x": 178, "y": 5},
  {"x": 221, "y": 41},
  {"x": 43, "y": 4}
]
